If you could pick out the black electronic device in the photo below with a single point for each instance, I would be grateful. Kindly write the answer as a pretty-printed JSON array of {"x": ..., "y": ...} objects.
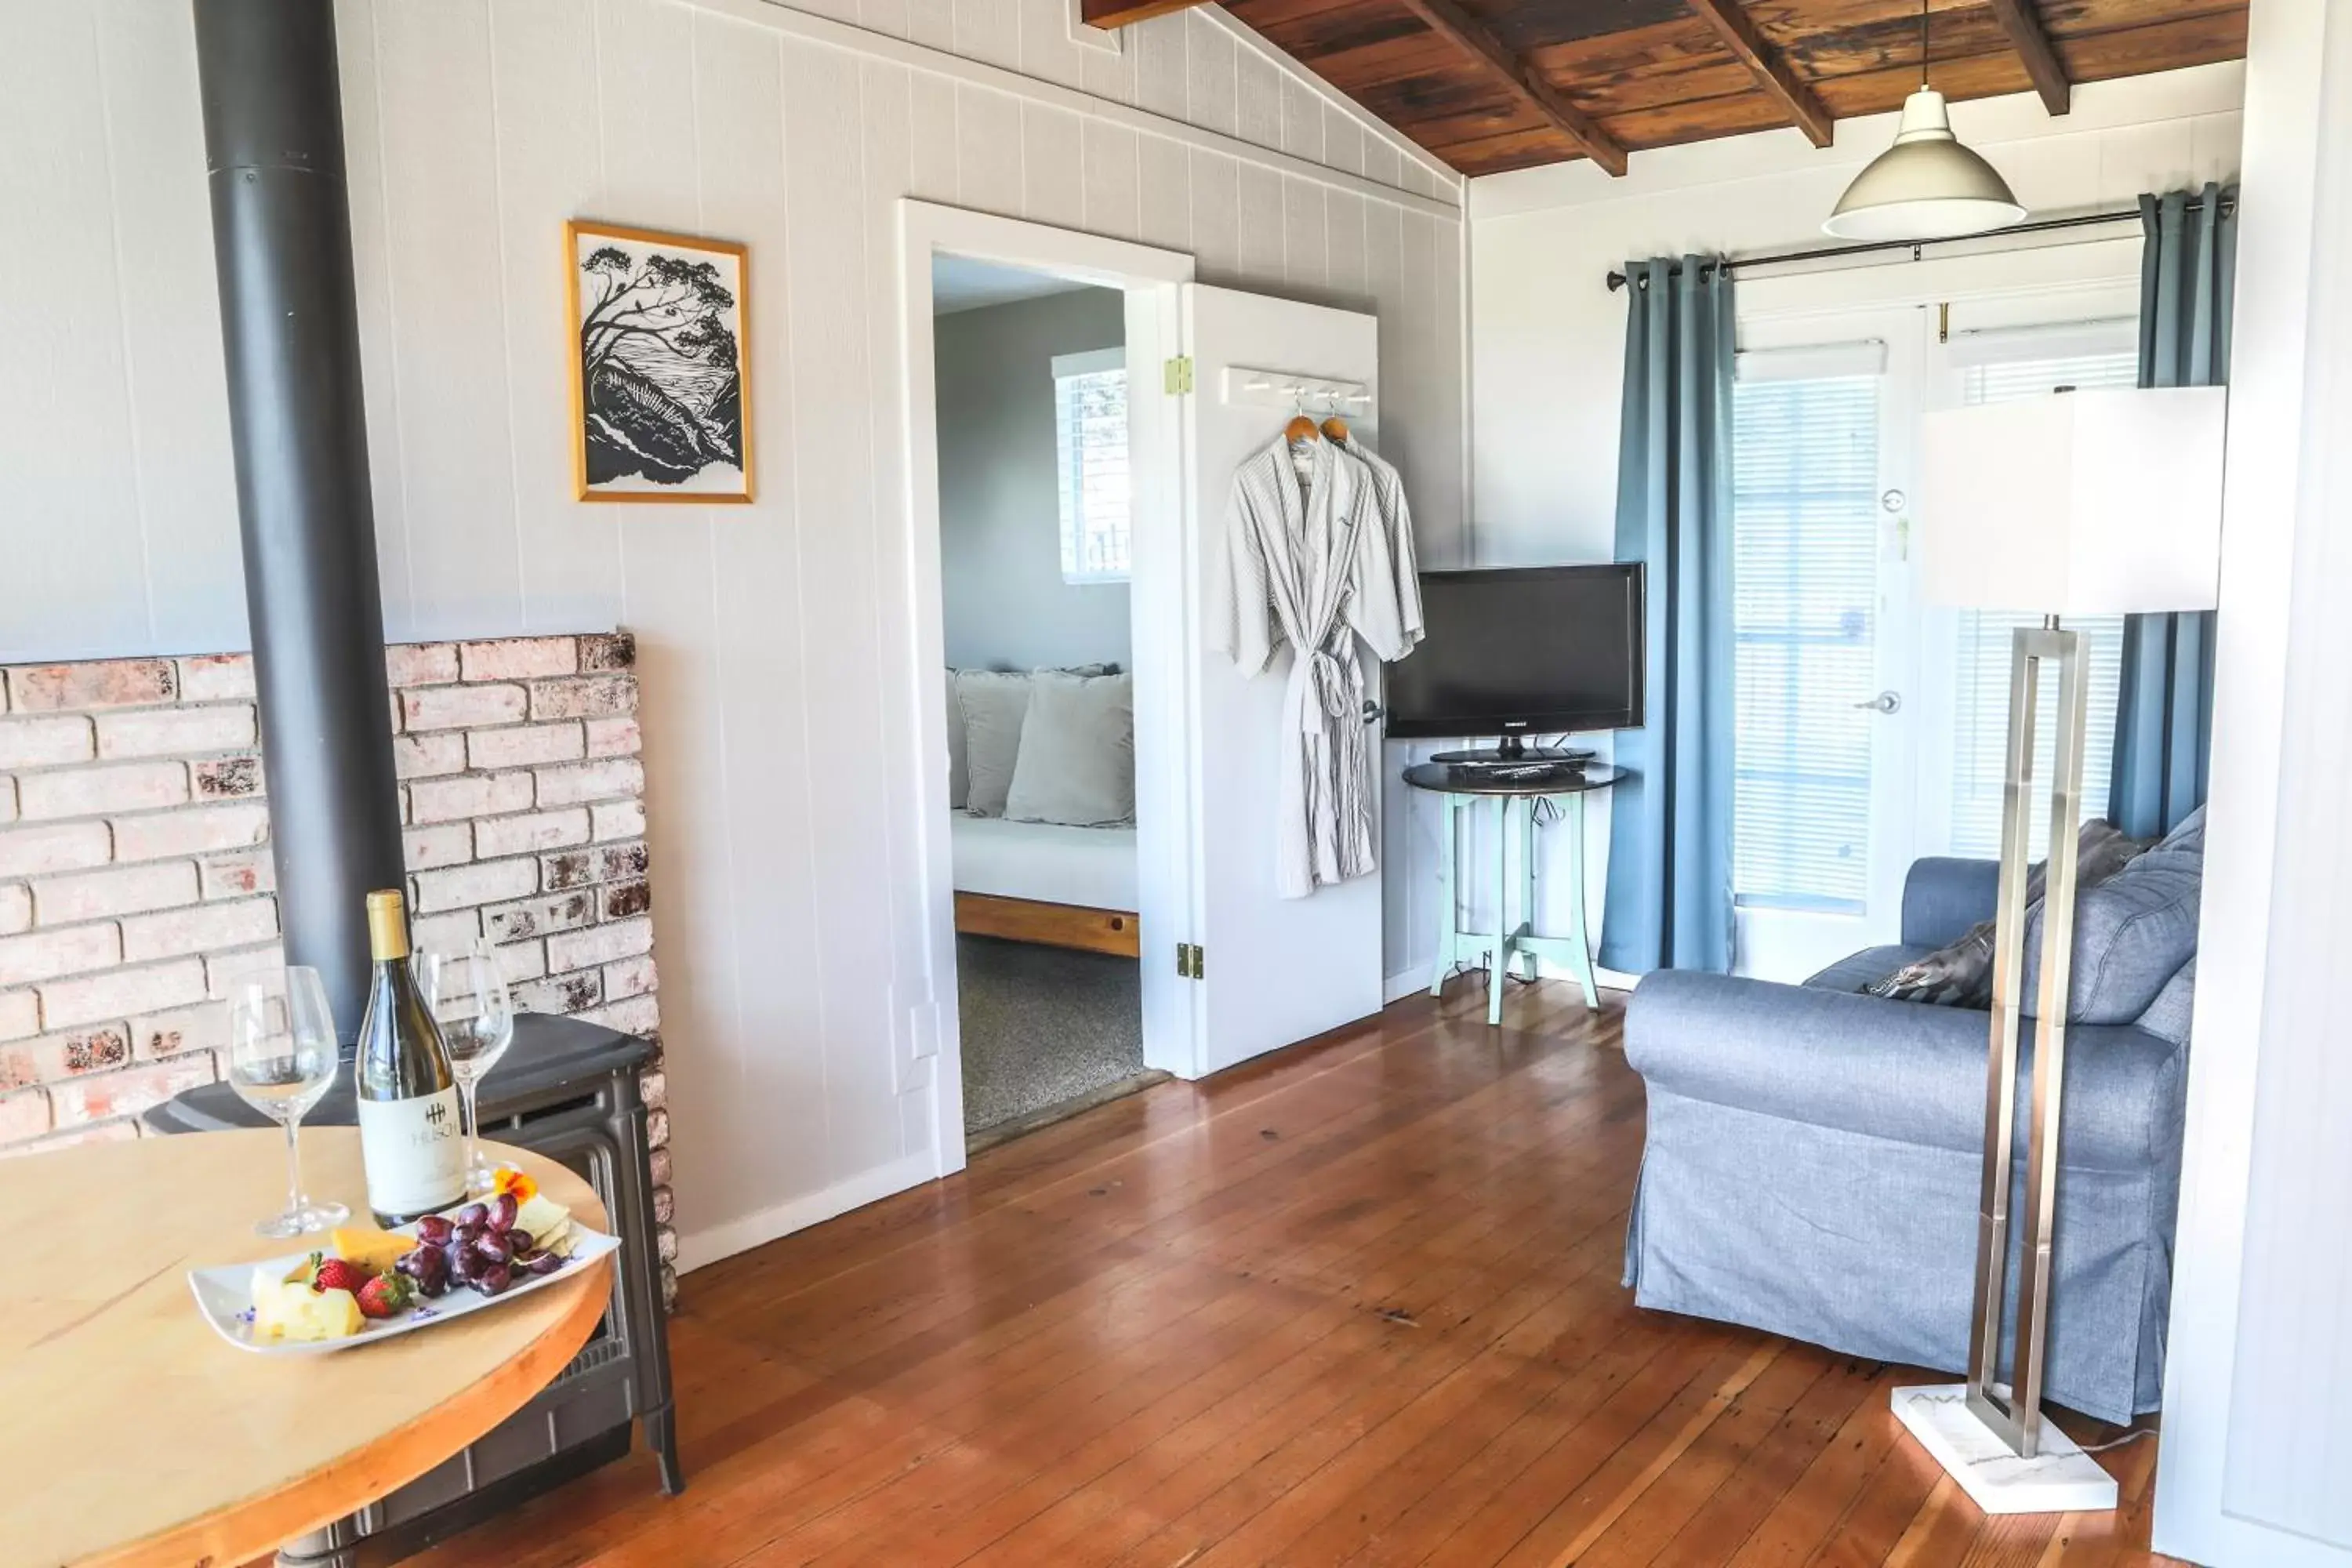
[{"x": 1543, "y": 650}]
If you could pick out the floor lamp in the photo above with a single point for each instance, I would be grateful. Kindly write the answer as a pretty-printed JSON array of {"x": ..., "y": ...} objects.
[{"x": 2084, "y": 503}]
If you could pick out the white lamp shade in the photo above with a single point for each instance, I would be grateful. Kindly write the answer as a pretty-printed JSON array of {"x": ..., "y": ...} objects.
[
  {"x": 1926, "y": 186},
  {"x": 2084, "y": 503}
]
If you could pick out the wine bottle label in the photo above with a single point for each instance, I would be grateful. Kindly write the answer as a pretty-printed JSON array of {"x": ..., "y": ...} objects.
[{"x": 414, "y": 1152}]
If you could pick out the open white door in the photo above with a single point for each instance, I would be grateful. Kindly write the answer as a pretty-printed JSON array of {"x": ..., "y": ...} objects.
[{"x": 1275, "y": 970}]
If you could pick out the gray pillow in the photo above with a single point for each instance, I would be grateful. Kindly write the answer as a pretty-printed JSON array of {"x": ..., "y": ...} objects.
[
  {"x": 2132, "y": 934},
  {"x": 1960, "y": 974},
  {"x": 1077, "y": 765},
  {"x": 958, "y": 765},
  {"x": 993, "y": 705},
  {"x": 2189, "y": 835}
]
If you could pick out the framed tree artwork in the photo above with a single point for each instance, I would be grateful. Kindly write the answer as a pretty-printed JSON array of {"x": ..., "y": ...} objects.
[{"x": 661, "y": 393}]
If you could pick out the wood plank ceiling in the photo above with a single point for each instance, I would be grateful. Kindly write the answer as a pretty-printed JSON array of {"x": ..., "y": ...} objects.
[{"x": 1491, "y": 85}]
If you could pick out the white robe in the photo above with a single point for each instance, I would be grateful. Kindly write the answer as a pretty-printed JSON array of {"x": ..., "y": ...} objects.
[
  {"x": 1388, "y": 494},
  {"x": 1314, "y": 572}
]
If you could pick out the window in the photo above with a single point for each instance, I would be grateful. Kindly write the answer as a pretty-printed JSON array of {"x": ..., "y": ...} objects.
[
  {"x": 1091, "y": 452},
  {"x": 1805, "y": 566},
  {"x": 2006, "y": 367}
]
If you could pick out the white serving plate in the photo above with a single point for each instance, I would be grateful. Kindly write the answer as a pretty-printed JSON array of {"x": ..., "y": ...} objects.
[{"x": 224, "y": 1296}]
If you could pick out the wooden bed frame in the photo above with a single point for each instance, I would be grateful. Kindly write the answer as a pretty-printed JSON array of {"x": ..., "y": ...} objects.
[{"x": 1113, "y": 931}]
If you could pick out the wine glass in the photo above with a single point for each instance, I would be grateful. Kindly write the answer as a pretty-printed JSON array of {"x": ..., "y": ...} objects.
[
  {"x": 281, "y": 1058},
  {"x": 469, "y": 1001}
]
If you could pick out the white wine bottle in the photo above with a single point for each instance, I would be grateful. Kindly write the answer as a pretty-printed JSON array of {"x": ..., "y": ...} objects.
[{"x": 410, "y": 1137}]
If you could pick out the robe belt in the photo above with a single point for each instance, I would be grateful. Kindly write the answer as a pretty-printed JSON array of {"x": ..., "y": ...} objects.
[{"x": 1337, "y": 681}]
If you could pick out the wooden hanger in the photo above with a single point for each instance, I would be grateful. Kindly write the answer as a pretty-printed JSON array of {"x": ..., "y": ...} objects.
[
  {"x": 1301, "y": 429},
  {"x": 1335, "y": 428}
]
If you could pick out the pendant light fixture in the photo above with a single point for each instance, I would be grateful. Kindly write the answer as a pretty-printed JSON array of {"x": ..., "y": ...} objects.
[{"x": 1928, "y": 186}]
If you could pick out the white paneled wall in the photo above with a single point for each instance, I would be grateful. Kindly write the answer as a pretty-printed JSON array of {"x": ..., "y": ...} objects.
[{"x": 773, "y": 637}]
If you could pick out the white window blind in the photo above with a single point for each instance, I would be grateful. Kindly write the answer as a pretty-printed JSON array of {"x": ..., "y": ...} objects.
[
  {"x": 1091, "y": 452},
  {"x": 1805, "y": 542},
  {"x": 1980, "y": 669}
]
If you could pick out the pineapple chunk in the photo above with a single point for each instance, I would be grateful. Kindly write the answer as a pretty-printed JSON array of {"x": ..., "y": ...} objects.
[
  {"x": 373, "y": 1249},
  {"x": 290, "y": 1309}
]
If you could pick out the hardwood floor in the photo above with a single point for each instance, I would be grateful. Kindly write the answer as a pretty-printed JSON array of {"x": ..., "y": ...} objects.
[{"x": 1356, "y": 1303}]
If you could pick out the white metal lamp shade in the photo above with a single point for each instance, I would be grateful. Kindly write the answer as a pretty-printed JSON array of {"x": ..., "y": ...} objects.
[{"x": 1926, "y": 186}]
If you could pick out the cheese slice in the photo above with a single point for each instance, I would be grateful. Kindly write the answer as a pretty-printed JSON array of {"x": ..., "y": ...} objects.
[
  {"x": 549, "y": 1222},
  {"x": 373, "y": 1249}
]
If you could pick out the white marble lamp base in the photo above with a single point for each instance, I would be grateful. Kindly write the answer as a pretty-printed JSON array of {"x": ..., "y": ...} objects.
[{"x": 2062, "y": 1478}]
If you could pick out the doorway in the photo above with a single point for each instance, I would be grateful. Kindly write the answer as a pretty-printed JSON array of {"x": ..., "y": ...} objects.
[
  {"x": 1036, "y": 532},
  {"x": 1052, "y": 917},
  {"x": 1228, "y": 967}
]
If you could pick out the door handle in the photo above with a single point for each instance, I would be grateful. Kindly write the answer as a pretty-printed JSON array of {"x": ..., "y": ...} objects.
[{"x": 1885, "y": 702}]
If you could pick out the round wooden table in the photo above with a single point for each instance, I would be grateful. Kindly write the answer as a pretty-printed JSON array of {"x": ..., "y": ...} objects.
[{"x": 131, "y": 1433}]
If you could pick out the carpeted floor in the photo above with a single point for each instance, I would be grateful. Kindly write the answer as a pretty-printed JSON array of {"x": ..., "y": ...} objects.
[{"x": 1042, "y": 1026}]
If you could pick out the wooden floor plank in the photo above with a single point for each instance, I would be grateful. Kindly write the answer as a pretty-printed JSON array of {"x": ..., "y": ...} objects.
[
  {"x": 1355, "y": 1302},
  {"x": 1757, "y": 1485}
]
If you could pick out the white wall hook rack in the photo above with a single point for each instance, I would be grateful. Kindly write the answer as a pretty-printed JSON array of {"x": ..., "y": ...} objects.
[{"x": 1290, "y": 391}]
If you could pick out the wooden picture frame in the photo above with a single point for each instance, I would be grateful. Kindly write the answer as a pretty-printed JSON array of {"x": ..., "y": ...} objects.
[{"x": 661, "y": 376}]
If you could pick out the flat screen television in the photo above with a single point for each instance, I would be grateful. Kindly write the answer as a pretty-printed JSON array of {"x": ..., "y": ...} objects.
[{"x": 1540, "y": 650}]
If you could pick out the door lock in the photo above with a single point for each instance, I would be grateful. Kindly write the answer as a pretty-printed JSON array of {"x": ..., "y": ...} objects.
[{"x": 1885, "y": 702}]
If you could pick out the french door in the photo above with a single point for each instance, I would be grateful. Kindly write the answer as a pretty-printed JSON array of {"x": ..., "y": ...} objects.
[
  {"x": 1825, "y": 712},
  {"x": 1872, "y": 725}
]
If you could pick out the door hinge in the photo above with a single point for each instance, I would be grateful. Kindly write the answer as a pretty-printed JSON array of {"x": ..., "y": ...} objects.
[
  {"x": 1177, "y": 374},
  {"x": 1188, "y": 961}
]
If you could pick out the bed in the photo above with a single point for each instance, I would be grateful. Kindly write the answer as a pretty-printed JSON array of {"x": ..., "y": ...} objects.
[{"x": 1042, "y": 883}]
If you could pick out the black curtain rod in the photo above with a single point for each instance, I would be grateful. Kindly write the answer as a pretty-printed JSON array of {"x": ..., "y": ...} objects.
[{"x": 2040, "y": 225}]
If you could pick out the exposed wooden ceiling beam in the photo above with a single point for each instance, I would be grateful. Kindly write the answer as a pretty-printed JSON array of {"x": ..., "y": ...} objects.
[
  {"x": 1476, "y": 38},
  {"x": 1771, "y": 68},
  {"x": 2032, "y": 46},
  {"x": 1111, "y": 14}
]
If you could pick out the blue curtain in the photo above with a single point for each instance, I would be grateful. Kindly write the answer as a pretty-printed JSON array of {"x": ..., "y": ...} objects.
[
  {"x": 2164, "y": 718},
  {"x": 1669, "y": 902}
]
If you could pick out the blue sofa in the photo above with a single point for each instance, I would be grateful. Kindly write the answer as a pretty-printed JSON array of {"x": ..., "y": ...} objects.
[{"x": 1812, "y": 1160}]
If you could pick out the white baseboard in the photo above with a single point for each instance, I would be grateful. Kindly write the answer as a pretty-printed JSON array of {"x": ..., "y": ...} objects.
[
  {"x": 1405, "y": 983},
  {"x": 731, "y": 1237}
]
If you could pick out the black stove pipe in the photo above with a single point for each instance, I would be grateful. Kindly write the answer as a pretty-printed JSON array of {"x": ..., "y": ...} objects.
[{"x": 282, "y": 247}]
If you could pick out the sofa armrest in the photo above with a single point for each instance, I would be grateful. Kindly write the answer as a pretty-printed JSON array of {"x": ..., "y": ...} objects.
[
  {"x": 1899, "y": 1070},
  {"x": 1944, "y": 897}
]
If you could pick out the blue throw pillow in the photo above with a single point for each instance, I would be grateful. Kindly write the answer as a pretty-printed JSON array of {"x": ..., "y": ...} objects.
[{"x": 2132, "y": 934}]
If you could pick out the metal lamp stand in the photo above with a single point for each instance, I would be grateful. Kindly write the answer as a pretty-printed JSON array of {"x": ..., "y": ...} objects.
[{"x": 1991, "y": 1438}]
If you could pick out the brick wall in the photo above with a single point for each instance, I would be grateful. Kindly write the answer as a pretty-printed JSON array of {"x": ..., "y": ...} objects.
[{"x": 136, "y": 883}]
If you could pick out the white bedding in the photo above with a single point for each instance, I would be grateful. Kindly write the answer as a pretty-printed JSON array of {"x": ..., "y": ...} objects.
[{"x": 1091, "y": 867}]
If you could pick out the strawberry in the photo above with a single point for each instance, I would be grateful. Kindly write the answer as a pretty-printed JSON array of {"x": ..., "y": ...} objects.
[
  {"x": 386, "y": 1295},
  {"x": 338, "y": 1274}
]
